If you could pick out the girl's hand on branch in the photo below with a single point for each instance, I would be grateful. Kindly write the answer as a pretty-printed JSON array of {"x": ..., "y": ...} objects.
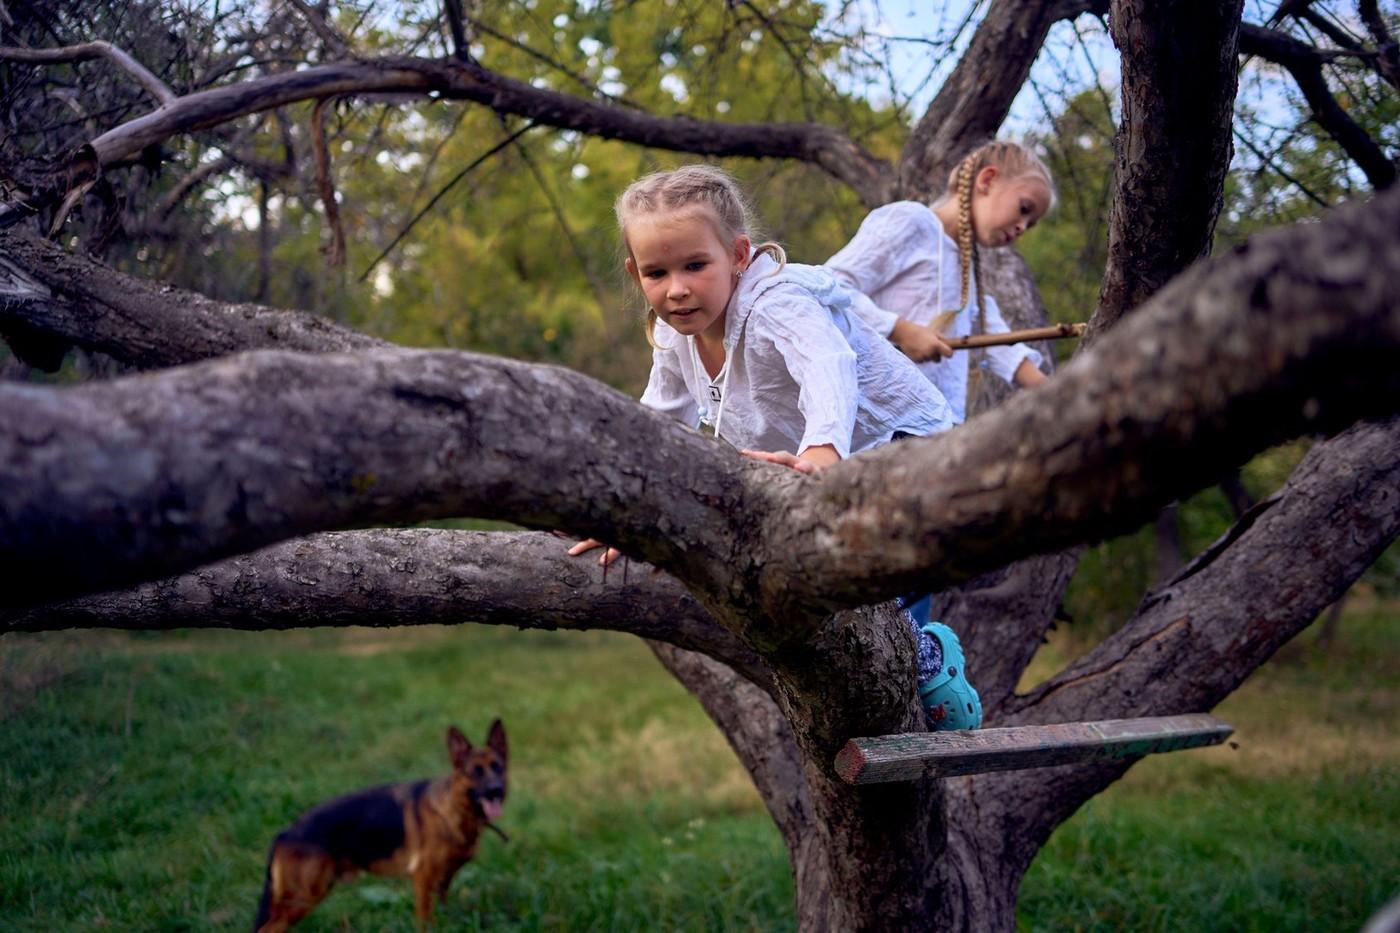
[
  {"x": 921, "y": 344},
  {"x": 610, "y": 555},
  {"x": 811, "y": 460}
]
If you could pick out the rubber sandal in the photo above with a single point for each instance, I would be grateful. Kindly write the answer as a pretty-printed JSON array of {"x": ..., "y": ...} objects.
[{"x": 949, "y": 700}]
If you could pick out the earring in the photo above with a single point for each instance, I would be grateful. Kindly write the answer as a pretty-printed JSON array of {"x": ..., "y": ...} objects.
[{"x": 738, "y": 273}]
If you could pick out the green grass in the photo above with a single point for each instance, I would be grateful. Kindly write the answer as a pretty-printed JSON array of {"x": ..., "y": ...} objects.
[{"x": 142, "y": 778}]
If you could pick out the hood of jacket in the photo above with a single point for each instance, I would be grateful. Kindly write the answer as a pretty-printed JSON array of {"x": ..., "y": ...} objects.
[{"x": 764, "y": 273}]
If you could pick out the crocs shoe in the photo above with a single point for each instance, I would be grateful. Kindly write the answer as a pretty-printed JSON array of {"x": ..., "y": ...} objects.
[{"x": 950, "y": 702}]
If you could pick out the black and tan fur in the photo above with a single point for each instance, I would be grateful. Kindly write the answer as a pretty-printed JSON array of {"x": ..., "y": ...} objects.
[{"x": 424, "y": 829}]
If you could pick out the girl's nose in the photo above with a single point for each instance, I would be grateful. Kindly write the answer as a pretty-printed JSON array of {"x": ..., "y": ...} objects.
[{"x": 679, "y": 288}]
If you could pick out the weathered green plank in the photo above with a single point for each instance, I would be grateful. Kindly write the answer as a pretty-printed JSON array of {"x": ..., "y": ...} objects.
[{"x": 945, "y": 754}]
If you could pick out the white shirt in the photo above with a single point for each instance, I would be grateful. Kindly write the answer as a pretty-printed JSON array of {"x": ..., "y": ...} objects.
[
  {"x": 800, "y": 370},
  {"x": 905, "y": 266}
]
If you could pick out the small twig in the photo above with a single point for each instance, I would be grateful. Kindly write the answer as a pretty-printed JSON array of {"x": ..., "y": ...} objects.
[
  {"x": 1273, "y": 166},
  {"x": 335, "y": 252},
  {"x": 82, "y": 173},
  {"x": 446, "y": 188},
  {"x": 1054, "y": 332},
  {"x": 332, "y": 39},
  {"x": 90, "y": 50},
  {"x": 599, "y": 293}
]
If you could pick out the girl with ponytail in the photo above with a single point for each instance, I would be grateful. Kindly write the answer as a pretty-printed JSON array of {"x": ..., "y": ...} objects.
[{"x": 917, "y": 271}]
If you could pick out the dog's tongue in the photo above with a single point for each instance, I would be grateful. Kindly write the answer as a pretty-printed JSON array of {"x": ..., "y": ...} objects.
[{"x": 491, "y": 809}]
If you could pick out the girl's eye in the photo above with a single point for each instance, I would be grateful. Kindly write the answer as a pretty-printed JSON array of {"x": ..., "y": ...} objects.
[
  {"x": 1025, "y": 207},
  {"x": 695, "y": 266},
  {"x": 655, "y": 274}
]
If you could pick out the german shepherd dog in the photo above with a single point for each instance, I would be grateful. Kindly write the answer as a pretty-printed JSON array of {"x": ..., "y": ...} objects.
[{"x": 426, "y": 829}]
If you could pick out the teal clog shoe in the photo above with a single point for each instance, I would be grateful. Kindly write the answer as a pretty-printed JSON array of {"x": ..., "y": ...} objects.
[{"x": 949, "y": 700}]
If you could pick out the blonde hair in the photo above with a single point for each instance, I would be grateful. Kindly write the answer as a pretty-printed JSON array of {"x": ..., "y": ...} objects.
[
  {"x": 710, "y": 189},
  {"x": 1014, "y": 161}
]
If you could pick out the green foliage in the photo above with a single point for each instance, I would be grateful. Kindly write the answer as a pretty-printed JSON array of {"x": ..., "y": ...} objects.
[{"x": 520, "y": 256}]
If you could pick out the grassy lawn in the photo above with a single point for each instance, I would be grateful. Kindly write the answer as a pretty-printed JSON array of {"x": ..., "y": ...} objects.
[{"x": 143, "y": 777}]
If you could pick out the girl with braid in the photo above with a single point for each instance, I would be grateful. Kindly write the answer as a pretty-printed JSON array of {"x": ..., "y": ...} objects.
[
  {"x": 915, "y": 271},
  {"x": 918, "y": 273}
]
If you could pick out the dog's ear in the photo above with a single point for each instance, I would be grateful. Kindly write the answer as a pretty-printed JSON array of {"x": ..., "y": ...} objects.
[
  {"x": 496, "y": 739},
  {"x": 458, "y": 747}
]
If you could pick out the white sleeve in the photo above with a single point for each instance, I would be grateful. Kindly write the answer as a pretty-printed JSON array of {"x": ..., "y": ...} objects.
[
  {"x": 666, "y": 390},
  {"x": 818, "y": 358},
  {"x": 1006, "y": 360},
  {"x": 873, "y": 258},
  {"x": 880, "y": 320}
]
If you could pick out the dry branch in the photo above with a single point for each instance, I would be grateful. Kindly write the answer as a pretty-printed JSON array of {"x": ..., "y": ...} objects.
[
  {"x": 1054, "y": 332},
  {"x": 88, "y": 51}
]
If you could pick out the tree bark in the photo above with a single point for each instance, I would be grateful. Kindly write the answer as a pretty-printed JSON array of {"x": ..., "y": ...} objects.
[
  {"x": 1173, "y": 145},
  {"x": 202, "y": 462},
  {"x": 72, "y": 300},
  {"x": 391, "y": 577}
]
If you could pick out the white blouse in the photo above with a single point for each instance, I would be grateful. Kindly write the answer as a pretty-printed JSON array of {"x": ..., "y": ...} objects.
[
  {"x": 905, "y": 266},
  {"x": 800, "y": 370}
]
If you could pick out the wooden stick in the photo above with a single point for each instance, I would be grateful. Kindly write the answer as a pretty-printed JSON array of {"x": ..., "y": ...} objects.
[
  {"x": 946, "y": 754},
  {"x": 1055, "y": 332}
]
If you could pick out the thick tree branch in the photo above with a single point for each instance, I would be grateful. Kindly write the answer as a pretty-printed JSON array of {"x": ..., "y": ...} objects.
[
  {"x": 870, "y": 177},
  {"x": 1195, "y": 641},
  {"x": 389, "y": 577},
  {"x": 974, "y": 101},
  {"x": 144, "y": 324},
  {"x": 1293, "y": 332},
  {"x": 1320, "y": 536},
  {"x": 1305, "y": 63},
  {"x": 139, "y": 478},
  {"x": 1172, "y": 148}
]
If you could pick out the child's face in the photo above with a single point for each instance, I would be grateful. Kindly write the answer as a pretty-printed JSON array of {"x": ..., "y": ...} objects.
[
  {"x": 686, "y": 272},
  {"x": 1004, "y": 208}
]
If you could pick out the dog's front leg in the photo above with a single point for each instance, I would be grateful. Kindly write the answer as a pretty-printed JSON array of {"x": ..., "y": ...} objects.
[{"x": 426, "y": 881}]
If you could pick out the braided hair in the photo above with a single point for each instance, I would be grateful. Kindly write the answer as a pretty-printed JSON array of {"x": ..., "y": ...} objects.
[{"x": 1014, "y": 161}]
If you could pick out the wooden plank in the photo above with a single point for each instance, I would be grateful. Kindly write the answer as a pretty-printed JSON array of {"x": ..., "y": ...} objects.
[{"x": 946, "y": 754}]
